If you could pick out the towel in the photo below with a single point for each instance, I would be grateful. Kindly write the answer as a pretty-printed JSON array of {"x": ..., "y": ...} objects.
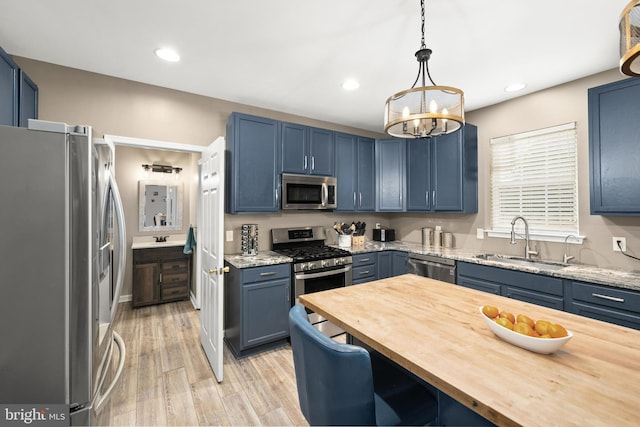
[{"x": 191, "y": 242}]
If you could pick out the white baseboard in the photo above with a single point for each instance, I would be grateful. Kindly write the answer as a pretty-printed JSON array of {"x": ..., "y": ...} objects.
[{"x": 125, "y": 298}]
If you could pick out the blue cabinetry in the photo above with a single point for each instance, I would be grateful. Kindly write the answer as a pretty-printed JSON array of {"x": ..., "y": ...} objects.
[
  {"x": 613, "y": 305},
  {"x": 253, "y": 153},
  {"x": 307, "y": 150},
  {"x": 18, "y": 94},
  {"x": 614, "y": 148},
  {"x": 442, "y": 172},
  {"x": 365, "y": 268},
  {"x": 391, "y": 263},
  {"x": 534, "y": 288},
  {"x": 391, "y": 175},
  {"x": 355, "y": 171},
  {"x": 257, "y": 303}
]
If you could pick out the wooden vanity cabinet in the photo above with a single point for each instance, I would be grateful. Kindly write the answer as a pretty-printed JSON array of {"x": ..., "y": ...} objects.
[{"x": 160, "y": 275}]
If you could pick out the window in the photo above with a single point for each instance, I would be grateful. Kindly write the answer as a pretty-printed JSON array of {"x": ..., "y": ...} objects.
[{"x": 534, "y": 174}]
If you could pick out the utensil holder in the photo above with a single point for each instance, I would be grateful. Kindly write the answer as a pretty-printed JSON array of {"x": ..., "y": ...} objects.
[
  {"x": 357, "y": 240},
  {"x": 344, "y": 240},
  {"x": 249, "y": 239}
]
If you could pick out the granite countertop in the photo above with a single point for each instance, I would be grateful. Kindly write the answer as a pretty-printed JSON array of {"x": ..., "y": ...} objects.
[{"x": 580, "y": 272}]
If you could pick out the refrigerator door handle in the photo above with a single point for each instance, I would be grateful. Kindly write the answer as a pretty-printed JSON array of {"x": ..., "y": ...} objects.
[{"x": 122, "y": 258}]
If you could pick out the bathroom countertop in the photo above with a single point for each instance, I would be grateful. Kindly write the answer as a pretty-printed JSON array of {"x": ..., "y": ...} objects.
[{"x": 147, "y": 242}]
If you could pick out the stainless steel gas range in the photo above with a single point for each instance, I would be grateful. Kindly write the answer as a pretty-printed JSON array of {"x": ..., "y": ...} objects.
[{"x": 316, "y": 267}]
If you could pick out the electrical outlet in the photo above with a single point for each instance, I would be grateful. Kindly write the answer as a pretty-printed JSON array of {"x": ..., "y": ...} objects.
[
  {"x": 623, "y": 244},
  {"x": 229, "y": 236},
  {"x": 480, "y": 233},
  {"x": 377, "y": 225}
]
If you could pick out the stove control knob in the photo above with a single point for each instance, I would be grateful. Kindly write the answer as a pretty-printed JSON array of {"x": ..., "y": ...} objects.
[
  {"x": 339, "y": 261},
  {"x": 310, "y": 265},
  {"x": 325, "y": 263}
]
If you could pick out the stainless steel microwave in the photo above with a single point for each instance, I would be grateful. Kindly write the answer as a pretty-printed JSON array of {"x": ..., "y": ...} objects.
[{"x": 308, "y": 192}]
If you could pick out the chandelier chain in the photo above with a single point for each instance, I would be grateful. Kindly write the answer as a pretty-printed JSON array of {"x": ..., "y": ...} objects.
[{"x": 422, "y": 45}]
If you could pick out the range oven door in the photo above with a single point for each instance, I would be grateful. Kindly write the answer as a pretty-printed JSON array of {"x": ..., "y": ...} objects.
[{"x": 322, "y": 280}]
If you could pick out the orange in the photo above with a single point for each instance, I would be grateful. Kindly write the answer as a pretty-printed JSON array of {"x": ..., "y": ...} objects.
[
  {"x": 557, "y": 331},
  {"x": 503, "y": 321},
  {"x": 523, "y": 328},
  {"x": 509, "y": 316},
  {"x": 523, "y": 318},
  {"x": 542, "y": 326},
  {"x": 490, "y": 311}
]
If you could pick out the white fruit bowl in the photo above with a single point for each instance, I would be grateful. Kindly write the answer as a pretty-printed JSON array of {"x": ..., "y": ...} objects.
[{"x": 537, "y": 345}]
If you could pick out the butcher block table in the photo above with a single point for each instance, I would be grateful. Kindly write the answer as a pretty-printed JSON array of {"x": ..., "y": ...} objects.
[{"x": 434, "y": 329}]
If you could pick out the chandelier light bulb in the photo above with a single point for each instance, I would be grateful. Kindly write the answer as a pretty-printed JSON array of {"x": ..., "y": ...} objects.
[
  {"x": 433, "y": 106},
  {"x": 405, "y": 112}
]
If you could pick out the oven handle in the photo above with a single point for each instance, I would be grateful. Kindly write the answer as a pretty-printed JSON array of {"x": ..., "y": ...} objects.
[{"x": 302, "y": 276}]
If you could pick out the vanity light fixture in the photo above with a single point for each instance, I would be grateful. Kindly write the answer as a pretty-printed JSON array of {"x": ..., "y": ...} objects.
[
  {"x": 424, "y": 111},
  {"x": 161, "y": 168},
  {"x": 630, "y": 39}
]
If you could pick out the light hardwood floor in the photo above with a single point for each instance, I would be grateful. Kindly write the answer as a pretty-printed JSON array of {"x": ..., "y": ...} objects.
[{"x": 168, "y": 381}]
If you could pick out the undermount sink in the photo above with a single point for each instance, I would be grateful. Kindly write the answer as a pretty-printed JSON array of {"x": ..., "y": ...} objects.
[{"x": 516, "y": 260}]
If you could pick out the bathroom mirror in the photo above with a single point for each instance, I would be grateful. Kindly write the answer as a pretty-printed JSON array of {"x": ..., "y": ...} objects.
[{"x": 160, "y": 205}]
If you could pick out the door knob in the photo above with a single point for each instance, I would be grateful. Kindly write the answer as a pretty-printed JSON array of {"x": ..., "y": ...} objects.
[
  {"x": 220, "y": 270},
  {"x": 213, "y": 271}
]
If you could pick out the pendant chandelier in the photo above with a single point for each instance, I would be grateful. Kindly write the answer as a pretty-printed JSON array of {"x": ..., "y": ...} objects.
[
  {"x": 424, "y": 111},
  {"x": 630, "y": 39}
]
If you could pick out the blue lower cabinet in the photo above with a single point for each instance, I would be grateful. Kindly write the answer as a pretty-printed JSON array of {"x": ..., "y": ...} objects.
[
  {"x": 453, "y": 413},
  {"x": 534, "y": 288},
  {"x": 365, "y": 268},
  {"x": 257, "y": 303},
  {"x": 613, "y": 305}
]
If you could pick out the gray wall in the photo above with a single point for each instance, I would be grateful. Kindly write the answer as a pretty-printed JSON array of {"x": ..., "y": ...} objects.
[{"x": 120, "y": 107}]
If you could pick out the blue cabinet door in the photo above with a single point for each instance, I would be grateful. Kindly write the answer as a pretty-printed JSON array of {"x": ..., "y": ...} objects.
[
  {"x": 8, "y": 90},
  {"x": 390, "y": 175},
  {"x": 345, "y": 163},
  {"x": 419, "y": 174},
  {"x": 366, "y": 174},
  {"x": 321, "y": 147},
  {"x": 614, "y": 148},
  {"x": 28, "y": 100},
  {"x": 295, "y": 142},
  {"x": 253, "y": 145},
  {"x": 399, "y": 263},
  {"x": 446, "y": 170},
  {"x": 265, "y": 308},
  {"x": 385, "y": 264}
]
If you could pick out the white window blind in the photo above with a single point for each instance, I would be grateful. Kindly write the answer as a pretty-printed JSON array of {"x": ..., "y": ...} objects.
[{"x": 534, "y": 174}]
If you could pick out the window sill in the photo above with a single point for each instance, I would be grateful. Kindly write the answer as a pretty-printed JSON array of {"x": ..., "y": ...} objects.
[{"x": 541, "y": 237}]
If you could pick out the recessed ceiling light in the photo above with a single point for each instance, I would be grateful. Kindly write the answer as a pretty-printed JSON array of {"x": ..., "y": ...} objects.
[
  {"x": 350, "y": 84},
  {"x": 514, "y": 87},
  {"x": 167, "y": 54}
]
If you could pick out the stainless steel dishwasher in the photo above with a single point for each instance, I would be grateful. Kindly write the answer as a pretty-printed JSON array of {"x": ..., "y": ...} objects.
[{"x": 431, "y": 266}]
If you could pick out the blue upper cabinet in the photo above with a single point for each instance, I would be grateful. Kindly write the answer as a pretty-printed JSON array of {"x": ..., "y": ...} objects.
[
  {"x": 390, "y": 175},
  {"x": 28, "y": 104},
  {"x": 614, "y": 148},
  {"x": 8, "y": 90},
  {"x": 354, "y": 167},
  {"x": 307, "y": 150},
  {"x": 442, "y": 172},
  {"x": 18, "y": 94},
  {"x": 253, "y": 153}
]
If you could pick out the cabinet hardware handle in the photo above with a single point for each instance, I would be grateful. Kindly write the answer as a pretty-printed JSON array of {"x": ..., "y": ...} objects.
[
  {"x": 268, "y": 273},
  {"x": 607, "y": 297},
  {"x": 364, "y": 260},
  {"x": 426, "y": 197},
  {"x": 305, "y": 163},
  {"x": 434, "y": 197},
  {"x": 354, "y": 199},
  {"x": 360, "y": 200},
  {"x": 160, "y": 277},
  {"x": 364, "y": 272},
  {"x": 313, "y": 163}
]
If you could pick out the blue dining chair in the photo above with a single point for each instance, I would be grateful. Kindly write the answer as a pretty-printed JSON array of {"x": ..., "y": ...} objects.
[{"x": 338, "y": 386}]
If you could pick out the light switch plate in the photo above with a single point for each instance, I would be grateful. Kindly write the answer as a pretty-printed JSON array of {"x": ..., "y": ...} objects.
[
  {"x": 480, "y": 233},
  {"x": 229, "y": 235}
]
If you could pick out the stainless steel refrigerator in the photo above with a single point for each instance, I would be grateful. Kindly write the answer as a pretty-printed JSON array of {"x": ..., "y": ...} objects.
[{"x": 62, "y": 259}]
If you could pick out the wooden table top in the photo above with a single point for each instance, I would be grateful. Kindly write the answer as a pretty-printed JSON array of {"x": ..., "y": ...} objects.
[{"x": 434, "y": 330}]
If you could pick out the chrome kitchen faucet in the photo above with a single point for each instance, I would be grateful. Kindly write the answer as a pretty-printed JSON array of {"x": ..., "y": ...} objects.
[{"x": 527, "y": 250}]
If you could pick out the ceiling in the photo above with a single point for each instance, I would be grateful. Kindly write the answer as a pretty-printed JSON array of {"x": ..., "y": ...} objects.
[{"x": 293, "y": 55}]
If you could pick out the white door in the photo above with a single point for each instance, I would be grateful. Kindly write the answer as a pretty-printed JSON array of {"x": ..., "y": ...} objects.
[{"x": 210, "y": 246}]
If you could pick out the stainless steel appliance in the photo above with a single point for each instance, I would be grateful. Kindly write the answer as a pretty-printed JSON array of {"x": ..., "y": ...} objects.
[
  {"x": 59, "y": 254},
  {"x": 435, "y": 267},
  {"x": 384, "y": 234},
  {"x": 308, "y": 192},
  {"x": 316, "y": 266}
]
